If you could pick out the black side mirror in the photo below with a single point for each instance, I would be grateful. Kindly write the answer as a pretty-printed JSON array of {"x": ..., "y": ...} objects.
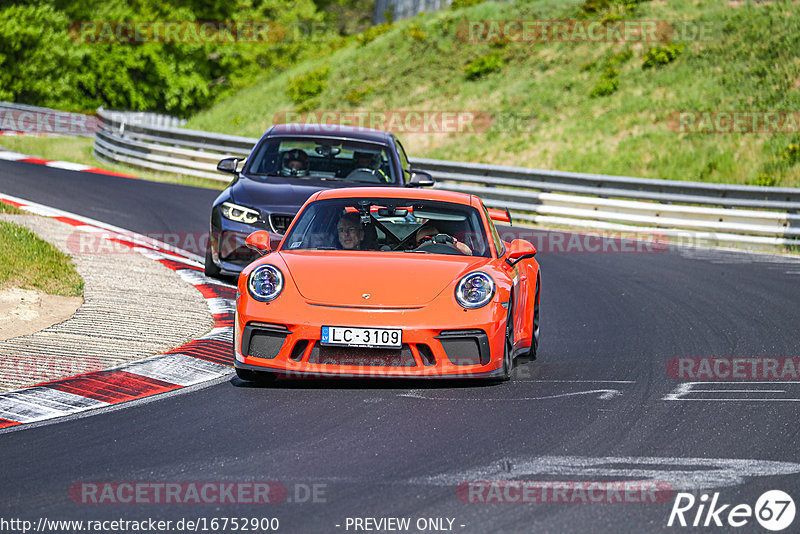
[
  {"x": 228, "y": 165},
  {"x": 420, "y": 179}
]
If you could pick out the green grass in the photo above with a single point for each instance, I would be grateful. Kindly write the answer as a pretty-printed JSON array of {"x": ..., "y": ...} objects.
[
  {"x": 31, "y": 263},
  {"x": 79, "y": 150},
  {"x": 586, "y": 107},
  {"x": 8, "y": 208}
]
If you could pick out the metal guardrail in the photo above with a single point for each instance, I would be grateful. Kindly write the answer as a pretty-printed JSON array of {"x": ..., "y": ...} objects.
[{"x": 719, "y": 213}]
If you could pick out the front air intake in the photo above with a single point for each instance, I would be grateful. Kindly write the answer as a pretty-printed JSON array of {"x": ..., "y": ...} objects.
[{"x": 262, "y": 340}]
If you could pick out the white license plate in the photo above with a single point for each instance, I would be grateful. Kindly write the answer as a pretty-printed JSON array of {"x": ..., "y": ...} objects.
[{"x": 346, "y": 336}]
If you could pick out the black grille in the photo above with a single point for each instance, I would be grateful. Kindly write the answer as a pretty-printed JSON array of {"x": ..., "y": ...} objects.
[
  {"x": 465, "y": 347},
  {"x": 426, "y": 354},
  {"x": 263, "y": 341},
  {"x": 280, "y": 222},
  {"x": 362, "y": 356},
  {"x": 298, "y": 350}
]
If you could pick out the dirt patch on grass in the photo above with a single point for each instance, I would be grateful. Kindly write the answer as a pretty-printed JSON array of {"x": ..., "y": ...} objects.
[{"x": 25, "y": 311}]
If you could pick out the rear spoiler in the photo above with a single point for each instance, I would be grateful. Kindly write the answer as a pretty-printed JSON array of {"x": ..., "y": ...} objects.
[{"x": 503, "y": 216}]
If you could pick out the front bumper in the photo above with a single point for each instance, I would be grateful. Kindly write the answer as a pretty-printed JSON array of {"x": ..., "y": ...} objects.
[{"x": 470, "y": 345}]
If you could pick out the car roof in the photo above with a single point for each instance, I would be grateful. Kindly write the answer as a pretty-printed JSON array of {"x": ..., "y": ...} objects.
[
  {"x": 333, "y": 131},
  {"x": 396, "y": 192}
]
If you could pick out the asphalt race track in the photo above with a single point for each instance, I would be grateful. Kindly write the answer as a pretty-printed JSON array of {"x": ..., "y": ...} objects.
[{"x": 598, "y": 404}]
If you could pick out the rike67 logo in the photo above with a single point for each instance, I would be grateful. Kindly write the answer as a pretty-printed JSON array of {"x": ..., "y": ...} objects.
[{"x": 774, "y": 510}]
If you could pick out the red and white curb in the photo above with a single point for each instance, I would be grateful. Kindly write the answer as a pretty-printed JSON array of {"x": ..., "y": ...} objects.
[
  {"x": 9, "y": 155},
  {"x": 204, "y": 359}
]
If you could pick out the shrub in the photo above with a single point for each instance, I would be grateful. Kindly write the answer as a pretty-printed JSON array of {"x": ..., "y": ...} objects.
[
  {"x": 416, "y": 33},
  {"x": 357, "y": 95},
  {"x": 607, "y": 84},
  {"x": 792, "y": 154},
  {"x": 369, "y": 35},
  {"x": 308, "y": 85},
  {"x": 458, "y": 4},
  {"x": 661, "y": 55},
  {"x": 483, "y": 66},
  {"x": 599, "y": 6},
  {"x": 764, "y": 180}
]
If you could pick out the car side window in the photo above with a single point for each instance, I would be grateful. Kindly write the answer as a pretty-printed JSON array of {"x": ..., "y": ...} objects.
[
  {"x": 403, "y": 158},
  {"x": 499, "y": 247}
]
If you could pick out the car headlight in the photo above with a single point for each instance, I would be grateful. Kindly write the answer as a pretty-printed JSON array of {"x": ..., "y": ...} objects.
[
  {"x": 265, "y": 283},
  {"x": 238, "y": 213},
  {"x": 475, "y": 290}
]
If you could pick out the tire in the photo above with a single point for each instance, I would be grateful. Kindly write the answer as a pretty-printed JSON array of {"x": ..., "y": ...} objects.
[
  {"x": 535, "y": 337},
  {"x": 211, "y": 269},
  {"x": 260, "y": 377}
]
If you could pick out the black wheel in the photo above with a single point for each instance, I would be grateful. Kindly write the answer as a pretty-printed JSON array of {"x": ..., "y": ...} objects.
[
  {"x": 535, "y": 339},
  {"x": 211, "y": 268},
  {"x": 508, "y": 360},
  {"x": 259, "y": 377}
]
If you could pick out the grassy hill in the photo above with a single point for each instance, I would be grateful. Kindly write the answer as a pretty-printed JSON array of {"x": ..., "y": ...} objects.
[{"x": 604, "y": 107}]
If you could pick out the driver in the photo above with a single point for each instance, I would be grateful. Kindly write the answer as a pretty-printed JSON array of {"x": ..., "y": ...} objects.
[
  {"x": 429, "y": 230},
  {"x": 295, "y": 163},
  {"x": 371, "y": 162}
]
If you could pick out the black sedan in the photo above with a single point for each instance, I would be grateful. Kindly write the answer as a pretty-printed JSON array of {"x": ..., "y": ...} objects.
[{"x": 288, "y": 164}]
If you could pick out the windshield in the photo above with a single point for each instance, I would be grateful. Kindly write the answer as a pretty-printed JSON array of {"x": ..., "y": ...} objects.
[
  {"x": 389, "y": 225},
  {"x": 326, "y": 159}
]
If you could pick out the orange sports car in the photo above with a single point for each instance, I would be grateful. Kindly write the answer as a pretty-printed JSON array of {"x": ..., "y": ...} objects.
[{"x": 388, "y": 282}]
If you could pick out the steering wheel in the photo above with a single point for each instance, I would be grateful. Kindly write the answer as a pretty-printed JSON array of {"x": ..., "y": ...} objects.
[
  {"x": 438, "y": 244},
  {"x": 364, "y": 174}
]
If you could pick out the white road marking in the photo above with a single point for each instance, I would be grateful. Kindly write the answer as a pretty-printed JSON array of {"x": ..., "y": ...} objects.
[
  {"x": 579, "y": 381},
  {"x": 603, "y": 394},
  {"x": 681, "y": 473},
  {"x": 683, "y": 391}
]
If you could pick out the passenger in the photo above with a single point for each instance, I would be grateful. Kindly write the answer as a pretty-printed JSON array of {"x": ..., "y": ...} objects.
[
  {"x": 429, "y": 230},
  {"x": 350, "y": 232}
]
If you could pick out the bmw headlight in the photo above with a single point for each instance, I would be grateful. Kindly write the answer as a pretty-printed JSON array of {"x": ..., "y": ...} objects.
[
  {"x": 238, "y": 213},
  {"x": 475, "y": 290},
  {"x": 265, "y": 283}
]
